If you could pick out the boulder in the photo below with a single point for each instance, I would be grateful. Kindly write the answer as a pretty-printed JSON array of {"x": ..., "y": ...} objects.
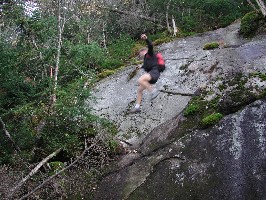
[{"x": 223, "y": 162}]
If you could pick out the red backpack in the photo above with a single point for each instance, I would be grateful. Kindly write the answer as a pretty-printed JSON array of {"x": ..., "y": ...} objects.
[{"x": 160, "y": 62}]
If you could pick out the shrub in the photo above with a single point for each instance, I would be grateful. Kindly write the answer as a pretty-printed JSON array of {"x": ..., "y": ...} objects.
[
  {"x": 250, "y": 24},
  {"x": 158, "y": 35},
  {"x": 87, "y": 55},
  {"x": 55, "y": 167},
  {"x": 113, "y": 145},
  {"x": 119, "y": 51},
  {"x": 111, "y": 63},
  {"x": 121, "y": 48},
  {"x": 211, "y": 45},
  {"x": 211, "y": 119},
  {"x": 66, "y": 125},
  {"x": 189, "y": 24},
  {"x": 137, "y": 47},
  {"x": 162, "y": 40}
]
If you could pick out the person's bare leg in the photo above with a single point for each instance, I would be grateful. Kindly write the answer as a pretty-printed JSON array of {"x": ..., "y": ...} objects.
[
  {"x": 143, "y": 84},
  {"x": 140, "y": 94},
  {"x": 144, "y": 81},
  {"x": 136, "y": 109}
]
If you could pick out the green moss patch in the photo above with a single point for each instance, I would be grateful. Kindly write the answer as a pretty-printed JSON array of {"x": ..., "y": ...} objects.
[
  {"x": 106, "y": 73},
  {"x": 211, "y": 45},
  {"x": 211, "y": 120},
  {"x": 191, "y": 109},
  {"x": 262, "y": 76}
]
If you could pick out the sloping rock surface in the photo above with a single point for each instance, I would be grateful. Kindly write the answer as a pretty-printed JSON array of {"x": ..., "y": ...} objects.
[
  {"x": 227, "y": 161},
  {"x": 189, "y": 67}
]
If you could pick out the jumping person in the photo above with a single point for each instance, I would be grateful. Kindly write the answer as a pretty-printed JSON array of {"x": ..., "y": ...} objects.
[{"x": 151, "y": 75}]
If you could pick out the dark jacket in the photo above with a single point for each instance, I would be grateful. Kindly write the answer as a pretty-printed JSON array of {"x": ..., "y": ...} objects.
[{"x": 150, "y": 59}]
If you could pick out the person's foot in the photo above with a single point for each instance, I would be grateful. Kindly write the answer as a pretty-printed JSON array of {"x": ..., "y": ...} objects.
[
  {"x": 135, "y": 110},
  {"x": 154, "y": 94}
]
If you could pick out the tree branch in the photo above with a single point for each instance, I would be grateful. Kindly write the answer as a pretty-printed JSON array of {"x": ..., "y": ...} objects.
[
  {"x": 14, "y": 189},
  {"x": 8, "y": 135},
  {"x": 252, "y": 5},
  {"x": 59, "y": 172},
  {"x": 154, "y": 20}
]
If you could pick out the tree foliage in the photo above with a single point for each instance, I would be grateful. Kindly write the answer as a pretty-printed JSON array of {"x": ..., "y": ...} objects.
[
  {"x": 95, "y": 39},
  {"x": 250, "y": 23},
  {"x": 200, "y": 15}
]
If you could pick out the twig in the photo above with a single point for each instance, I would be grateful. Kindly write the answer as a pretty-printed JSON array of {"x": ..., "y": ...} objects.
[
  {"x": 132, "y": 74},
  {"x": 8, "y": 135},
  {"x": 59, "y": 172},
  {"x": 14, "y": 189},
  {"x": 177, "y": 93}
]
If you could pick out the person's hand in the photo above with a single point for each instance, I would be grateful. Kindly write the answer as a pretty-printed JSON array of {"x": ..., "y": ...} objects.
[{"x": 143, "y": 37}]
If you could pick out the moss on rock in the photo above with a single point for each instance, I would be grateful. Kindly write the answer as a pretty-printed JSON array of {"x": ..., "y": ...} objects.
[
  {"x": 231, "y": 97},
  {"x": 191, "y": 109},
  {"x": 106, "y": 73},
  {"x": 211, "y": 120},
  {"x": 211, "y": 45}
]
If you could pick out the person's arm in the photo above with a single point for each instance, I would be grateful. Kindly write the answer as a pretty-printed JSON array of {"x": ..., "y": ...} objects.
[
  {"x": 149, "y": 44},
  {"x": 150, "y": 47}
]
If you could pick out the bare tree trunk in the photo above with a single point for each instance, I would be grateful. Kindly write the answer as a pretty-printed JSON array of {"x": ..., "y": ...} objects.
[
  {"x": 262, "y": 7},
  {"x": 88, "y": 35},
  {"x": 104, "y": 36},
  {"x": 60, "y": 26},
  {"x": 8, "y": 135},
  {"x": 14, "y": 189},
  {"x": 174, "y": 25},
  {"x": 36, "y": 46},
  {"x": 167, "y": 16},
  {"x": 167, "y": 22}
]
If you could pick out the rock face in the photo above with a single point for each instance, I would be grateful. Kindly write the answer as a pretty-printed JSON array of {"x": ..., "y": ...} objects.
[
  {"x": 227, "y": 161},
  {"x": 224, "y": 162}
]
